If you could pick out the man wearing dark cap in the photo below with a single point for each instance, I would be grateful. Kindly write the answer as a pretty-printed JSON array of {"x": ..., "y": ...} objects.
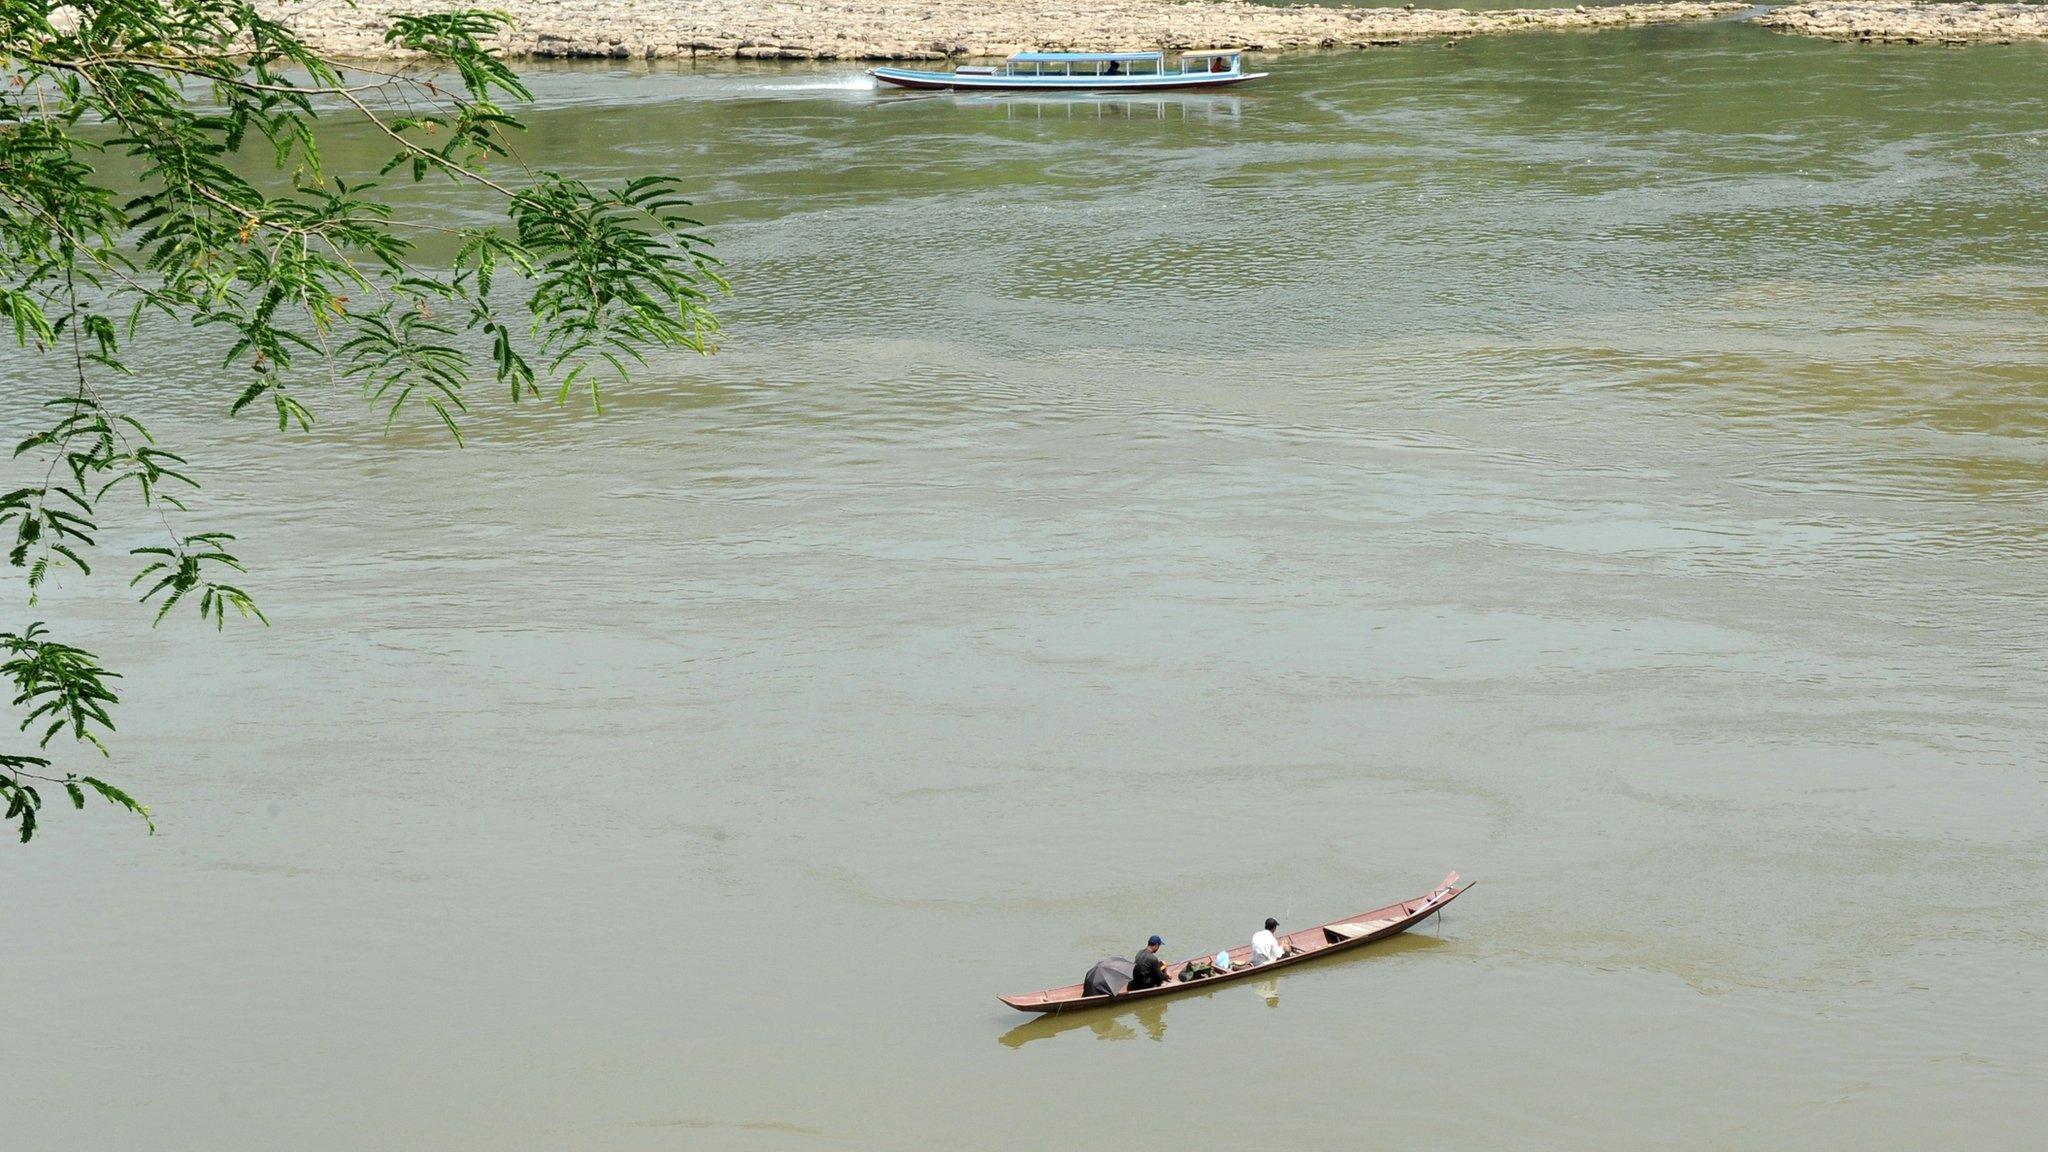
[{"x": 1147, "y": 970}]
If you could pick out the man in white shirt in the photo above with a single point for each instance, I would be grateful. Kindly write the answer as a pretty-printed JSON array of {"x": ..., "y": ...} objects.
[{"x": 1266, "y": 947}]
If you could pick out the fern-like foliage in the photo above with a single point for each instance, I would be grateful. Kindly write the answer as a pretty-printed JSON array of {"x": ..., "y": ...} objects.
[{"x": 134, "y": 141}]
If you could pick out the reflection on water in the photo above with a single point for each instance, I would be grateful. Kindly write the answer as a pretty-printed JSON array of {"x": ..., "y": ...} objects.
[
  {"x": 1029, "y": 106},
  {"x": 1147, "y": 1018},
  {"x": 1211, "y": 109}
]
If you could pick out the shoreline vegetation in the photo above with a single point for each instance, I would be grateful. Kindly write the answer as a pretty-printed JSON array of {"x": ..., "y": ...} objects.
[{"x": 950, "y": 29}]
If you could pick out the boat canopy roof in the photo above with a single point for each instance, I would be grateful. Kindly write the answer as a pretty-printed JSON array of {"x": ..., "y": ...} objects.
[
  {"x": 1079, "y": 57},
  {"x": 1208, "y": 52}
]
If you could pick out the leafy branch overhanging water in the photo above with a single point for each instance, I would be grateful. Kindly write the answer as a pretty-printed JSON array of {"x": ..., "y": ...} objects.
[{"x": 127, "y": 191}]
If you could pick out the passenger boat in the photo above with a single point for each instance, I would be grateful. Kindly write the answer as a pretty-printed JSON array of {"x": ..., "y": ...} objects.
[
  {"x": 1084, "y": 72},
  {"x": 1306, "y": 944}
]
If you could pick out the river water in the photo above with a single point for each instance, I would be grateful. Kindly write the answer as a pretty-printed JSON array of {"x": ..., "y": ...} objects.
[{"x": 1609, "y": 465}]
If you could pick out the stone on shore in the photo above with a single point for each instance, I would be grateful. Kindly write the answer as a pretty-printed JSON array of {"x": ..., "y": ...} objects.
[
  {"x": 1897, "y": 22},
  {"x": 939, "y": 29}
]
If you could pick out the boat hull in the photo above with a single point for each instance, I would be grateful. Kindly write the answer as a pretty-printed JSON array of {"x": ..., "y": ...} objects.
[
  {"x": 1396, "y": 918},
  {"x": 907, "y": 78}
]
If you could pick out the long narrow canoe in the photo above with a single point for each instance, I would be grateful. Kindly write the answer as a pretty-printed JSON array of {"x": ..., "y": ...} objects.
[
  {"x": 1007, "y": 82},
  {"x": 1306, "y": 944},
  {"x": 1083, "y": 72}
]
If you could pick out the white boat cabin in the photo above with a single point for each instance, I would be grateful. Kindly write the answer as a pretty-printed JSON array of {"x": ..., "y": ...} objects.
[{"x": 1110, "y": 65}]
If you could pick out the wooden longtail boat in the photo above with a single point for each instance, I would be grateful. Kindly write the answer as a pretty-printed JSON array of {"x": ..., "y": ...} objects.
[
  {"x": 1306, "y": 944},
  {"x": 1083, "y": 72}
]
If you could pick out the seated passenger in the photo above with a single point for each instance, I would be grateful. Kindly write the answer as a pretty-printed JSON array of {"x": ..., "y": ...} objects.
[
  {"x": 1266, "y": 947},
  {"x": 1216, "y": 64},
  {"x": 1147, "y": 970},
  {"x": 1115, "y": 69}
]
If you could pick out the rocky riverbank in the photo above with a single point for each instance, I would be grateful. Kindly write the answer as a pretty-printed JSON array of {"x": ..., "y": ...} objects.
[
  {"x": 1904, "y": 23},
  {"x": 937, "y": 29}
]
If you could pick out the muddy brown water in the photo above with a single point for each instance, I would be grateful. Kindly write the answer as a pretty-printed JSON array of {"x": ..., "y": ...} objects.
[{"x": 1608, "y": 465}]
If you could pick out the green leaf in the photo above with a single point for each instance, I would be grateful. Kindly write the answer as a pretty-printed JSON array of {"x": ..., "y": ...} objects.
[{"x": 116, "y": 796}]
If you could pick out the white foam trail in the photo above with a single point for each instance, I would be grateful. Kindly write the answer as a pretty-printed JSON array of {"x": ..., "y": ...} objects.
[{"x": 841, "y": 84}]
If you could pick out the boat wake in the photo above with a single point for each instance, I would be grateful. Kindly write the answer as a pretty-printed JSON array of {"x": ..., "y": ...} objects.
[{"x": 854, "y": 83}]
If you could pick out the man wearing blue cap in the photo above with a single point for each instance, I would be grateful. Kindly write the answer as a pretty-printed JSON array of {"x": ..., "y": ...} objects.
[{"x": 1147, "y": 971}]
